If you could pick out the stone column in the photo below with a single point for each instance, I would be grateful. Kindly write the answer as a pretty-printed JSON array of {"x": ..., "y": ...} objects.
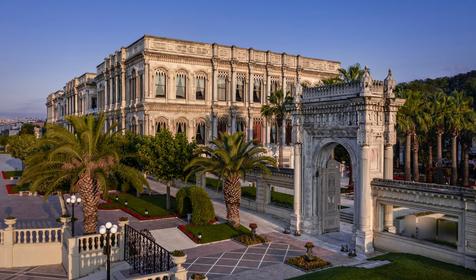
[
  {"x": 296, "y": 216},
  {"x": 8, "y": 241},
  {"x": 233, "y": 120},
  {"x": 388, "y": 174},
  {"x": 122, "y": 229},
  {"x": 363, "y": 238}
]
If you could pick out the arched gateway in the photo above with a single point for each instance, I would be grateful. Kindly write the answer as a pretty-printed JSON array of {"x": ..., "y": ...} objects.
[{"x": 361, "y": 117}]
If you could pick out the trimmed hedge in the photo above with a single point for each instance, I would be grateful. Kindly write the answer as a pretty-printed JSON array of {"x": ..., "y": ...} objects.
[
  {"x": 195, "y": 200},
  {"x": 213, "y": 183},
  {"x": 248, "y": 192}
]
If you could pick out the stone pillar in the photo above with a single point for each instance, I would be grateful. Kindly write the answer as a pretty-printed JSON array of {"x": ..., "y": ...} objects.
[
  {"x": 388, "y": 174},
  {"x": 122, "y": 229},
  {"x": 363, "y": 235},
  {"x": 250, "y": 128},
  {"x": 214, "y": 126},
  {"x": 233, "y": 120},
  {"x": 8, "y": 241},
  {"x": 296, "y": 216}
]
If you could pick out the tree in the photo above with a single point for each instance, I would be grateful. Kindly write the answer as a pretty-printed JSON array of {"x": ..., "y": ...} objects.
[
  {"x": 230, "y": 157},
  {"x": 458, "y": 119},
  {"x": 167, "y": 156},
  {"x": 352, "y": 73},
  {"x": 27, "y": 128},
  {"x": 87, "y": 160},
  {"x": 276, "y": 111},
  {"x": 22, "y": 146}
]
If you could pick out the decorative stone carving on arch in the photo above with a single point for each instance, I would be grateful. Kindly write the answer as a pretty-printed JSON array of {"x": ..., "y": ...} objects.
[
  {"x": 351, "y": 115},
  {"x": 161, "y": 123}
]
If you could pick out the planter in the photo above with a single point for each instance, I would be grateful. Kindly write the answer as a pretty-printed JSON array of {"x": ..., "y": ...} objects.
[
  {"x": 10, "y": 221},
  {"x": 202, "y": 277},
  {"x": 179, "y": 261}
]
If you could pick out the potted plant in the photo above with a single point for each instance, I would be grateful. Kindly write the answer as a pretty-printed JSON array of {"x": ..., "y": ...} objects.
[
  {"x": 179, "y": 257},
  {"x": 309, "y": 255},
  {"x": 198, "y": 276},
  {"x": 253, "y": 228}
]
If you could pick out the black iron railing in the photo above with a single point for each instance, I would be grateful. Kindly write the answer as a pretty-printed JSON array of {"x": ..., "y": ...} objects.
[{"x": 143, "y": 254}]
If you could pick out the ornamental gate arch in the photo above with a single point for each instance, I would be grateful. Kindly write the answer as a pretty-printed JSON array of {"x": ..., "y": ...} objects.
[{"x": 361, "y": 117}]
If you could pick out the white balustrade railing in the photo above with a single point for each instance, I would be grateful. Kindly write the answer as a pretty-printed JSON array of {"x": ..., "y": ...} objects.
[
  {"x": 37, "y": 235},
  {"x": 96, "y": 242}
]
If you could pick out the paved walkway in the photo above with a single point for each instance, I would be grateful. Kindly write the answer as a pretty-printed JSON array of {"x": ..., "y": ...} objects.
[
  {"x": 47, "y": 272},
  {"x": 172, "y": 239}
]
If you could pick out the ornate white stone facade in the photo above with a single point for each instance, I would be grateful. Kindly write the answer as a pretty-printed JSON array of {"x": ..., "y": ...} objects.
[{"x": 197, "y": 88}]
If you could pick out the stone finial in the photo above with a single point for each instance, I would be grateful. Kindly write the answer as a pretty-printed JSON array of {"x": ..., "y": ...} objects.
[
  {"x": 389, "y": 84},
  {"x": 366, "y": 81}
]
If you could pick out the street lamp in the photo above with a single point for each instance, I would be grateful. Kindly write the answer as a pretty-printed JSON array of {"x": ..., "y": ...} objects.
[
  {"x": 73, "y": 200},
  {"x": 106, "y": 230}
]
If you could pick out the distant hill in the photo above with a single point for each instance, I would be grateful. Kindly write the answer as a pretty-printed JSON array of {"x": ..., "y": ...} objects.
[{"x": 462, "y": 82}]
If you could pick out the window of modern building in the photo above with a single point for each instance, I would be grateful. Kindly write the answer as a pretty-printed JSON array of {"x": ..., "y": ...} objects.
[
  {"x": 240, "y": 89},
  {"x": 222, "y": 88},
  {"x": 181, "y": 86},
  {"x": 181, "y": 127},
  {"x": 160, "y": 84},
  {"x": 257, "y": 90},
  {"x": 200, "y": 133},
  {"x": 200, "y": 88}
]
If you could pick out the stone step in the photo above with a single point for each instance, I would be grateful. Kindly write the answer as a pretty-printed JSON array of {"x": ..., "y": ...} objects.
[{"x": 347, "y": 217}]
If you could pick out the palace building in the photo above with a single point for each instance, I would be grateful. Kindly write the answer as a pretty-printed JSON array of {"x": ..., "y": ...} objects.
[{"x": 195, "y": 88}]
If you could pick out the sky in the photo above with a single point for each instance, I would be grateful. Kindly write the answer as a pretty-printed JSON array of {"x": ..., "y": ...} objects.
[{"x": 45, "y": 43}]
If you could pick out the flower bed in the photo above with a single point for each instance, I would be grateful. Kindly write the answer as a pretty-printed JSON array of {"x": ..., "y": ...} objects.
[
  {"x": 15, "y": 189},
  {"x": 306, "y": 264},
  {"x": 8, "y": 174}
]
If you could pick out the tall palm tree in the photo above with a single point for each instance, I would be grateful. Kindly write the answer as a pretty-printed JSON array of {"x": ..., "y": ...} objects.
[
  {"x": 230, "y": 157},
  {"x": 408, "y": 119},
  {"x": 87, "y": 160},
  {"x": 458, "y": 119},
  {"x": 276, "y": 111},
  {"x": 352, "y": 73},
  {"x": 439, "y": 110}
]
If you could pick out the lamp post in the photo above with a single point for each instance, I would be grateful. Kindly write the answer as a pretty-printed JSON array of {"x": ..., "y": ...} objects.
[
  {"x": 73, "y": 200},
  {"x": 106, "y": 230}
]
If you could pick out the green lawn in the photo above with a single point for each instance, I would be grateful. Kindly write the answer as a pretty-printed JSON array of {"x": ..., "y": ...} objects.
[
  {"x": 248, "y": 192},
  {"x": 155, "y": 204},
  {"x": 403, "y": 267},
  {"x": 213, "y": 184},
  {"x": 216, "y": 232},
  {"x": 282, "y": 199}
]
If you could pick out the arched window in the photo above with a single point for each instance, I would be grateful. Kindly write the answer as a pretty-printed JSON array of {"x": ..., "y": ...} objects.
[
  {"x": 222, "y": 123},
  {"x": 222, "y": 87},
  {"x": 257, "y": 90},
  {"x": 200, "y": 133},
  {"x": 133, "y": 86},
  {"x": 160, "y": 125},
  {"x": 181, "y": 127},
  {"x": 160, "y": 84},
  {"x": 181, "y": 85},
  {"x": 200, "y": 88},
  {"x": 240, "y": 88},
  {"x": 289, "y": 130},
  {"x": 290, "y": 88},
  {"x": 274, "y": 85},
  {"x": 257, "y": 131}
]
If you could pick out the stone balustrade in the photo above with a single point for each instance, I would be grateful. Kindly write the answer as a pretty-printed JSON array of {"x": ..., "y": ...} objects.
[
  {"x": 37, "y": 235},
  {"x": 331, "y": 92},
  {"x": 156, "y": 276}
]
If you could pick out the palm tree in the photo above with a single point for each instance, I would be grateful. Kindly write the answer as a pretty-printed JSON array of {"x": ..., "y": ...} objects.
[
  {"x": 352, "y": 73},
  {"x": 408, "y": 118},
  {"x": 87, "y": 160},
  {"x": 458, "y": 119},
  {"x": 276, "y": 110},
  {"x": 230, "y": 157},
  {"x": 439, "y": 110}
]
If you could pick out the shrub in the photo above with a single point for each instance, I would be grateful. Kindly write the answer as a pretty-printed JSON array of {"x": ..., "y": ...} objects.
[
  {"x": 195, "y": 200},
  {"x": 248, "y": 239},
  {"x": 178, "y": 253},
  {"x": 248, "y": 192}
]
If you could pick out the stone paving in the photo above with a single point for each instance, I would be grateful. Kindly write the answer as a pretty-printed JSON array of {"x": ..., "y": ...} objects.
[
  {"x": 243, "y": 259},
  {"x": 35, "y": 272}
]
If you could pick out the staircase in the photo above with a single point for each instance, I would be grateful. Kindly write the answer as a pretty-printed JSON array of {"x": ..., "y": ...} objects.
[{"x": 347, "y": 217}]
